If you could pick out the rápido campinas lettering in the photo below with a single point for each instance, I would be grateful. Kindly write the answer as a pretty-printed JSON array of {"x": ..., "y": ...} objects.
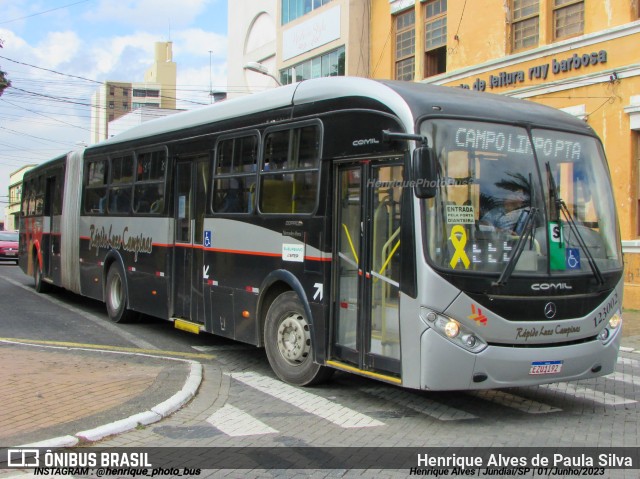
[{"x": 101, "y": 238}]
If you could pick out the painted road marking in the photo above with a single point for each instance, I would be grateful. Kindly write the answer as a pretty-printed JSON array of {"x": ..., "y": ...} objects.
[
  {"x": 418, "y": 403},
  {"x": 235, "y": 422},
  {"x": 625, "y": 378},
  {"x": 106, "y": 347},
  {"x": 629, "y": 362},
  {"x": 599, "y": 397},
  {"x": 516, "y": 402},
  {"x": 100, "y": 321},
  {"x": 224, "y": 347},
  {"x": 336, "y": 413}
]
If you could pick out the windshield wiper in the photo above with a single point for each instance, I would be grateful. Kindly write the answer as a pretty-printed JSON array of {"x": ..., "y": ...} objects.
[
  {"x": 527, "y": 230},
  {"x": 560, "y": 205}
]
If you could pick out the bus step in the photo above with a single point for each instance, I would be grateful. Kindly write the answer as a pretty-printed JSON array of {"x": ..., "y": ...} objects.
[{"x": 188, "y": 326}]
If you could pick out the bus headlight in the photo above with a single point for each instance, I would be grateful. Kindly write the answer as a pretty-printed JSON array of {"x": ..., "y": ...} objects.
[
  {"x": 451, "y": 329},
  {"x": 615, "y": 320},
  {"x": 614, "y": 323},
  {"x": 470, "y": 340},
  {"x": 604, "y": 334},
  {"x": 454, "y": 331}
]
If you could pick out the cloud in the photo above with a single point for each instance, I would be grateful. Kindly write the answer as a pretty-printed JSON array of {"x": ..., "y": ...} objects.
[
  {"x": 121, "y": 58},
  {"x": 56, "y": 48},
  {"x": 193, "y": 84},
  {"x": 197, "y": 42},
  {"x": 149, "y": 13}
]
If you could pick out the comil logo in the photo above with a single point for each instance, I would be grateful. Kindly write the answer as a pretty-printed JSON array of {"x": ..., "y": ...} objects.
[
  {"x": 550, "y": 286},
  {"x": 365, "y": 142},
  {"x": 23, "y": 457}
]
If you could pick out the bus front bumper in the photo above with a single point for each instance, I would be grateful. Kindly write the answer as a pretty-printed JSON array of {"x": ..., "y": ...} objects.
[{"x": 446, "y": 366}]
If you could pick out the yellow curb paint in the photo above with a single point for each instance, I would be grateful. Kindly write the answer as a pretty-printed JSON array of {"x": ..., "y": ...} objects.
[{"x": 121, "y": 349}]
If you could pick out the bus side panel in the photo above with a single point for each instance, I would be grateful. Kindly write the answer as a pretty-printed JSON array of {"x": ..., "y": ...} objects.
[
  {"x": 148, "y": 279},
  {"x": 241, "y": 257},
  {"x": 142, "y": 246}
]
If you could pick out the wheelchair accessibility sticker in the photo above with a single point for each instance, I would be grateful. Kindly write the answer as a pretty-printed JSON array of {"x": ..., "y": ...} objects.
[
  {"x": 573, "y": 258},
  {"x": 207, "y": 238}
]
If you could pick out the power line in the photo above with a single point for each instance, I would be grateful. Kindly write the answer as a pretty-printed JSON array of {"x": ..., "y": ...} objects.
[
  {"x": 30, "y": 136},
  {"x": 42, "y": 13},
  {"x": 91, "y": 80}
]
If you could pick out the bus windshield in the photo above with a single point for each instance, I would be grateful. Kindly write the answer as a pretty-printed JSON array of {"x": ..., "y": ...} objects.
[{"x": 497, "y": 209}]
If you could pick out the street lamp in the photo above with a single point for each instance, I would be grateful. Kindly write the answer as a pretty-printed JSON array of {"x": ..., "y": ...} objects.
[{"x": 260, "y": 68}]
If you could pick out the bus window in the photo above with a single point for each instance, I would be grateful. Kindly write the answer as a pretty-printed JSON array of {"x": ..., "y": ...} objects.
[
  {"x": 235, "y": 175},
  {"x": 149, "y": 189},
  {"x": 95, "y": 191},
  {"x": 120, "y": 188},
  {"x": 289, "y": 176}
]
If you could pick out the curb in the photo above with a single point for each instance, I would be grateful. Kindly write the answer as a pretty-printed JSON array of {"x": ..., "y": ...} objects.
[{"x": 155, "y": 414}]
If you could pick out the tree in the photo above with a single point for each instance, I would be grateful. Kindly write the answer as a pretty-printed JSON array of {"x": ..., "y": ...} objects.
[{"x": 4, "y": 83}]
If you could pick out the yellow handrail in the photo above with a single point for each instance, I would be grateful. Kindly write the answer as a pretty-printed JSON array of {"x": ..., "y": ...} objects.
[{"x": 353, "y": 249}]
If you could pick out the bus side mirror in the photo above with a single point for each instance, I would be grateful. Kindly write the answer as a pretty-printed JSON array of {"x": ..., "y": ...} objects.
[{"x": 425, "y": 172}]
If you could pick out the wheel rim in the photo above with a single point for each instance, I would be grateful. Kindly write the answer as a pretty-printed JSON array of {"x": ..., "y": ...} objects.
[
  {"x": 115, "y": 293},
  {"x": 294, "y": 339}
]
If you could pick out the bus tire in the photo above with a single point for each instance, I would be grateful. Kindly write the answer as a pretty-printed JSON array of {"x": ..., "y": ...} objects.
[
  {"x": 116, "y": 296},
  {"x": 287, "y": 339},
  {"x": 39, "y": 285}
]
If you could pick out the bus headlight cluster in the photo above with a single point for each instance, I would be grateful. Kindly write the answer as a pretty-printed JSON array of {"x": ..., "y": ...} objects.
[
  {"x": 613, "y": 324},
  {"x": 454, "y": 331}
]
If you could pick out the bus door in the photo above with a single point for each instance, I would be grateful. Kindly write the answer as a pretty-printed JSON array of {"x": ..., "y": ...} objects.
[
  {"x": 51, "y": 257},
  {"x": 190, "y": 206},
  {"x": 366, "y": 332}
]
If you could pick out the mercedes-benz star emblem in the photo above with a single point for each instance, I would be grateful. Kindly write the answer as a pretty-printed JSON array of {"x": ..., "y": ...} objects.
[{"x": 550, "y": 310}]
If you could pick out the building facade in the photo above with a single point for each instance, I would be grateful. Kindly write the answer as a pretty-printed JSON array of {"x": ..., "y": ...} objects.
[
  {"x": 318, "y": 38},
  {"x": 115, "y": 99},
  {"x": 12, "y": 210},
  {"x": 581, "y": 56},
  {"x": 295, "y": 40},
  {"x": 251, "y": 38}
]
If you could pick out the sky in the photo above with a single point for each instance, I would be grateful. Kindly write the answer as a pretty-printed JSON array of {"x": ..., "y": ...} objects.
[{"x": 57, "y": 52}]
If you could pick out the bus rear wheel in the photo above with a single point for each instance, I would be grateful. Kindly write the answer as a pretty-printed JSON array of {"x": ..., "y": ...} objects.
[
  {"x": 116, "y": 296},
  {"x": 287, "y": 339},
  {"x": 39, "y": 285}
]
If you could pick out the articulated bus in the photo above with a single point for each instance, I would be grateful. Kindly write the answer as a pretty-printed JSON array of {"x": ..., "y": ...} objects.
[{"x": 429, "y": 237}]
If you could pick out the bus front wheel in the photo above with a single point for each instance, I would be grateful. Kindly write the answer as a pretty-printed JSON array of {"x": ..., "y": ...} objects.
[
  {"x": 287, "y": 339},
  {"x": 116, "y": 296}
]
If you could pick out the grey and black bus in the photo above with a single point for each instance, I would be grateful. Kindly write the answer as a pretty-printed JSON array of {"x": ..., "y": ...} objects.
[{"x": 429, "y": 237}]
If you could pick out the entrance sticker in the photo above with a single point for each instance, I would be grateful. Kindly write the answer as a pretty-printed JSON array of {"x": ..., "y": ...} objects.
[{"x": 460, "y": 214}]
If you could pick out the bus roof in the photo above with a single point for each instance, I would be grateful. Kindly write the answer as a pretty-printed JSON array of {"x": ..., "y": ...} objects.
[{"x": 408, "y": 100}]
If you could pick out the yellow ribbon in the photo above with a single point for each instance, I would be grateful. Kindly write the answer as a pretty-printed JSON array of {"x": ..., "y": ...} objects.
[{"x": 459, "y": 240}]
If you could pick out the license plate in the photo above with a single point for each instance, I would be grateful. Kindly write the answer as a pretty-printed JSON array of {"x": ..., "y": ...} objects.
[
  {"x": 545, "y": 367},
  {"x": 11, "y": 253}
]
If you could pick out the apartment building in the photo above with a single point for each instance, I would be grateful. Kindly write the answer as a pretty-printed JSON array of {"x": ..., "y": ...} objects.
[
  {"x": 114, "y": 99},
  {"x": 12, "y": 210}
]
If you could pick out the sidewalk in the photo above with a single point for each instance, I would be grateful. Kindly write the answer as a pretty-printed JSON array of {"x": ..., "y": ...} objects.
[
  {"x": 85, "y": 395},
  {"x": 76, "y": 395},
  {"x": 631, "y": 330}
]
